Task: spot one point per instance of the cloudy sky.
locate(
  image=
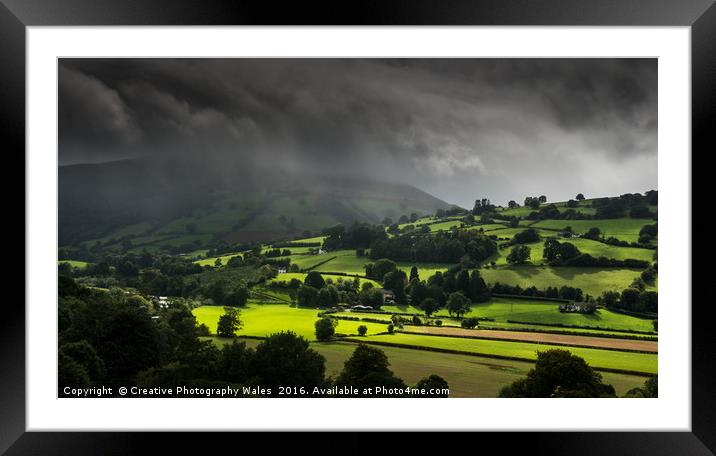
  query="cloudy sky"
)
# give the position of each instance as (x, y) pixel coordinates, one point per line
(460, 129)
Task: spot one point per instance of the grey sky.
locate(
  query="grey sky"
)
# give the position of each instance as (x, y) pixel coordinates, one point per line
(460, 129)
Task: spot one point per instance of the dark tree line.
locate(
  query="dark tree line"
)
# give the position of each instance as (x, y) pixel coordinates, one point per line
(111, 339)
(442, 247)
(356, 236)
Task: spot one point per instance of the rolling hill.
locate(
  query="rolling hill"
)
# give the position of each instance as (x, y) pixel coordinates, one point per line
(149, 202)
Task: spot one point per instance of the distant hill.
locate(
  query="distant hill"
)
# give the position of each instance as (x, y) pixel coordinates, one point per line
(150, 202)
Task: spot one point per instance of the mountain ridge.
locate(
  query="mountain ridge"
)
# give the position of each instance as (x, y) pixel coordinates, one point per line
(102, 201)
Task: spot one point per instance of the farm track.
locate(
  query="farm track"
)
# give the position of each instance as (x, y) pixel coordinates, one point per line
(641, 346)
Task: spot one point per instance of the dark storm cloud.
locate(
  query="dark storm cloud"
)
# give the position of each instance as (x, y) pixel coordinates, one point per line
(458, 128)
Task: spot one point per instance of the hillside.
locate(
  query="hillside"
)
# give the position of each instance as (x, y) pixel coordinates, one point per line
(148, 203)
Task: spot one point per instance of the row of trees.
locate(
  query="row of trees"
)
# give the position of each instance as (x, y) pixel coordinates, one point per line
(442, 247)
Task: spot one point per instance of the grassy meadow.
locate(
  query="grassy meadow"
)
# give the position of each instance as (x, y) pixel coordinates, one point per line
(592, 281)
(260, 320)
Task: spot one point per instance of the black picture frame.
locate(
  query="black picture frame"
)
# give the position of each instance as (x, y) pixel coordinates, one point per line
(699, 15)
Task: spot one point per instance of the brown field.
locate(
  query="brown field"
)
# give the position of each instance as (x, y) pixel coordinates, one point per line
(544, 338)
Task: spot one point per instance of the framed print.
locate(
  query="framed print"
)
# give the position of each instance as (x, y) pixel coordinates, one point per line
(435, 218)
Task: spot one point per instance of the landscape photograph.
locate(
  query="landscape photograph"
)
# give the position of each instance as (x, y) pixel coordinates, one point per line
(357, 227)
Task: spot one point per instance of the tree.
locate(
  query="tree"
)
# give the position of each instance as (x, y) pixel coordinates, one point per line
(139, 301)
(228, 323)
(314, 279)
(519, 254)
(593, 233)
(129, 344)
(414, 274)
(368, 368)
(85, 355)
(542, 199)
(629, 298)
(527, 236)
(71, 373)
(470, 323)
(433, 386)
(579, 197)
(307, 296)
(382, 267)
(395, 281)
(650, 389)
(235, 362)
(325, 328)
(327, 296)
(238, 296)
(285, 359)
(371, 297)
(429, 306)
(512, 204)
(362, 330)
(458, 304)
(559, 373)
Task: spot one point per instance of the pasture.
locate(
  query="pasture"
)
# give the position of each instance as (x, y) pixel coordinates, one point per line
(260, 320)
(75, 263)
(347, 261)
(591, 280)
(540, 313)
(606, 359)
(625, 229)
(594, 248)
(287, 277)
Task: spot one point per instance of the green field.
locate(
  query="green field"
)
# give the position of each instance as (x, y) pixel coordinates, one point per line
(608, 359)
(444, 226)
(625, 229)
(593, 248)
(540, 312)
(75, 263)
(583, 207)
(592, 281)
(508, 233)
(347, 261)
(262, 320)
(287, 277)
(498, 324)
(211, 261)
(467, 375)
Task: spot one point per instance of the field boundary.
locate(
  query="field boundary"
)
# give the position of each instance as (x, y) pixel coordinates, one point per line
(597, 328)
(320, 263)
